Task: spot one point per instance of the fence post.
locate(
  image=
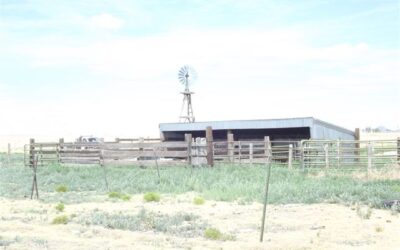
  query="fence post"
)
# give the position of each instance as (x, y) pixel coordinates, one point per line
(60, 149)
(31, 152)
(231, 147)
(267, 149)
(9, 154)
(251, 153)
(210, 149)
(326, 151)
(290, 156)
(303, 164)
(240, 152)
(338, 153)
(369, 151)
(357, 145)
(398, 150)
(188, 140)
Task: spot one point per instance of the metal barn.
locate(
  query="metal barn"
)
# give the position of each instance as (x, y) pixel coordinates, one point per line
(290, 129)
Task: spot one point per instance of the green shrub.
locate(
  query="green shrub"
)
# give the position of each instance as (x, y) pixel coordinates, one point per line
(198, 201)
(118, 195)
(151, 196)
(61, 188)
(126, 197)
(215, 234)
(63, 219)
(60, 207)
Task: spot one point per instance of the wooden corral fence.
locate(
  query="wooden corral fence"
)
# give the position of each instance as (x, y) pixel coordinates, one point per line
(205, 151)
(121, 152)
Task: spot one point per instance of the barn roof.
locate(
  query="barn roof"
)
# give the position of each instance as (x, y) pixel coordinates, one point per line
(313, 123)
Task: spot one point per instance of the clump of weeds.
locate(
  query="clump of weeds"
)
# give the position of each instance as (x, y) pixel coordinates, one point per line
(118, 195)
(151, 196)
(61, 188)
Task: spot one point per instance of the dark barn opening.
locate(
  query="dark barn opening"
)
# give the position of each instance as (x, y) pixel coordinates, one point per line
(275, 134)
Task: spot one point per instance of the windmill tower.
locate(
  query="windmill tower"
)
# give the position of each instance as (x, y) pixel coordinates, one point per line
(186, 76)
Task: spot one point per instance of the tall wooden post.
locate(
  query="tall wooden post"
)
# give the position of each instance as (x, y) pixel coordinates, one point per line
(210, 149)
(251, 153)
(231, 148)
(267, 149)
(370, 152)
(9, 154)
(60, 149)
(398, 150)
(290, 156)
(31, 152)
(357, 144)
(188, 140)
(326, 151)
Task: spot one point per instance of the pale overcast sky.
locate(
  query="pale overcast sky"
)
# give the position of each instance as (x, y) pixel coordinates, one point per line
(110, 67)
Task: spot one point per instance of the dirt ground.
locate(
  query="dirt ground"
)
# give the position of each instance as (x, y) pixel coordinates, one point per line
(26, 224)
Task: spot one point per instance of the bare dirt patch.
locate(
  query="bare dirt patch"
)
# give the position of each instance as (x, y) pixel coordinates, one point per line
(26, 224)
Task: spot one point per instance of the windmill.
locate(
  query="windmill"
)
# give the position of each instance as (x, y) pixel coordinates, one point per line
(186, 76)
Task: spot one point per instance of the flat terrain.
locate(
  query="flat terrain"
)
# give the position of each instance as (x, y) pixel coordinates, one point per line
(338, 209)
(28, 224)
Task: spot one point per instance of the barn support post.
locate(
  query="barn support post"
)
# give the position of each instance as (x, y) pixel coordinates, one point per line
(231, 148)
(188, 140)
(31, 152)
(210, 148)
(290, 156)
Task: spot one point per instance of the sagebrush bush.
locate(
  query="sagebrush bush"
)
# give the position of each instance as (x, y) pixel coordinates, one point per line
(61, 188)
(215, 234)
(198, 201)
(60, 207)
(63, 219)
(151, 196)
(118, 195)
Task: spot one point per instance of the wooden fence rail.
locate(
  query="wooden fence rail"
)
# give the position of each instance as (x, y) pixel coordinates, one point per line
(196, 151)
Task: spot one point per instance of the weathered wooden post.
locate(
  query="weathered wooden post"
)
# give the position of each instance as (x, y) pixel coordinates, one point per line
(369, 152)
(302, 155)
(338, 153)
(210, 148)
(240, 152)
(290, 156)
(251, 153)
(326, 152)
(60, 149)
(231, 147)
(398, 150)
(267, 149)
(357, 144)
(188, 140)
(31, 152)
(8, 154)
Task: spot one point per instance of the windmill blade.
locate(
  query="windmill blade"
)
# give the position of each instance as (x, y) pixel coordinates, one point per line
(186, 74)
